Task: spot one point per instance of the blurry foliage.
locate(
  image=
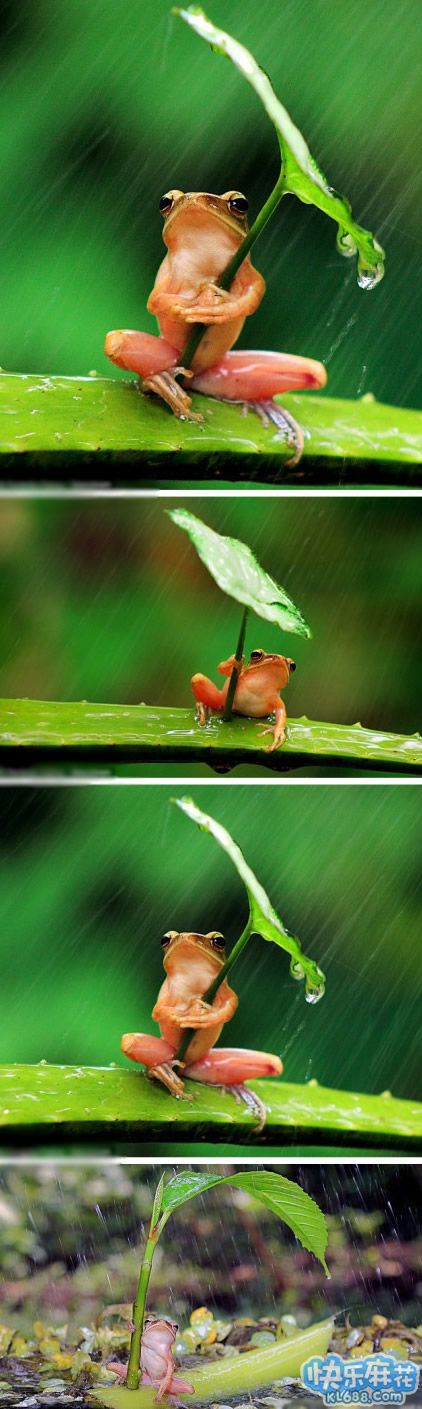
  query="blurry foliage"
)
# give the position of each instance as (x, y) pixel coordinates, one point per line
(104, 107)
(108, 602)
(225, 1251)
(90, 878)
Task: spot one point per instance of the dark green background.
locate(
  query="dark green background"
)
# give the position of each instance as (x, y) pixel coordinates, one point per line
(92, 877)
(104, 106)
(108, 601)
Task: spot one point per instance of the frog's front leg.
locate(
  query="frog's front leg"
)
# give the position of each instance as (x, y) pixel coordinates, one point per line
(278, 729)
(158, 1056)
(230, 1067)
(157, 363)
(256, 377)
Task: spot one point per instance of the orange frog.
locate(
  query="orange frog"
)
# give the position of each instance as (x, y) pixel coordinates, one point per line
(192, 962)
(202, 232)
(256, 694)
(157, 1364)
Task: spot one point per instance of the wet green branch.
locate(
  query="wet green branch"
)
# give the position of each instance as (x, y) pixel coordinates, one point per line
(104, 430)
(49, 1105)
(42, 731)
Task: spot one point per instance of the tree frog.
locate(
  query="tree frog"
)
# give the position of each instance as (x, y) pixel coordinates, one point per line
(157, 1364)
(202, 232)
(191, 962)
(256, 694)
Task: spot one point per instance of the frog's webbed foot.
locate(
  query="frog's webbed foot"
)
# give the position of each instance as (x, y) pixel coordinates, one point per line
(278, 729)
(202, 713)
(164, 384)
(244, 1097)
(277, 740)
(165, 1072)
(270, 413)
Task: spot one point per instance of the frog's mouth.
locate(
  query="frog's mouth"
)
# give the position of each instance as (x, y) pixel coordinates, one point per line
(207, 206)
(192, 942)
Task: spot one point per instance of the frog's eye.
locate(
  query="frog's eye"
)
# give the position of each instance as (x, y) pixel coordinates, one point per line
(217, 939)
(166, 940)
(257, 655)
(166, 203)
(238, 204)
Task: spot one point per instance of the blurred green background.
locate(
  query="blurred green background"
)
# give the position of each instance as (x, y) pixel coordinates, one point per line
(108, 601)
(91, 878)
(104, 106)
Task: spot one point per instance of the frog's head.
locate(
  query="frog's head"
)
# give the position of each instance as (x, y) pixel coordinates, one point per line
(187, 211)
(158, 1331)
(278, 668)
(185, 948)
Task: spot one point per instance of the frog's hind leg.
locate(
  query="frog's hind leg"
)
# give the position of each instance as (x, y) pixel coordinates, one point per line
(208, 697)
(230, 1067)
(157, 1056)
(156, 362)
(255, 378)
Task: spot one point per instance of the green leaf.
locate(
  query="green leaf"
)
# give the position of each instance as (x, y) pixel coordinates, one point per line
(263, 918)
(285, 1198)
(235, 569)
(301, 175)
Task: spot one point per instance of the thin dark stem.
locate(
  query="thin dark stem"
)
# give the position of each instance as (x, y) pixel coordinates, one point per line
(228, 707)
(228, 274)
(209, 996)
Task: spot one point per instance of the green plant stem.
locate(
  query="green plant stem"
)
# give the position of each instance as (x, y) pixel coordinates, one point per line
(139, 1308)
(209, 995)
(228, 707)
(228, 274)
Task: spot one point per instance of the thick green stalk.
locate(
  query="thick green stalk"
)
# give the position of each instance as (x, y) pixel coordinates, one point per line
(228, 274)
(138, 1313)
(228, 707)
(58, 732)
(209, 996)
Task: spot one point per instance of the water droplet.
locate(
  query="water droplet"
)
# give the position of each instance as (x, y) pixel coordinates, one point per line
(315, 990)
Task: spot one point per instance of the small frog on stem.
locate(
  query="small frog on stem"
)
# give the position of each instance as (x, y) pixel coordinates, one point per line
(192, 962)
(202, 232)
(256, 694)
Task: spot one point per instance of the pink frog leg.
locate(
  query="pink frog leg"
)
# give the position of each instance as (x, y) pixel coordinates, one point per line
(143, 353)
(158, 1056)
(180, 1386)
(150, 1051)
(157, 362)
(230, 1066)
(258, 376)
(118, 1367)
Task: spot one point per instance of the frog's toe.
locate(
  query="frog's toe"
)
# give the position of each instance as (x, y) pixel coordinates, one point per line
(164, 384)
(271, 413)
